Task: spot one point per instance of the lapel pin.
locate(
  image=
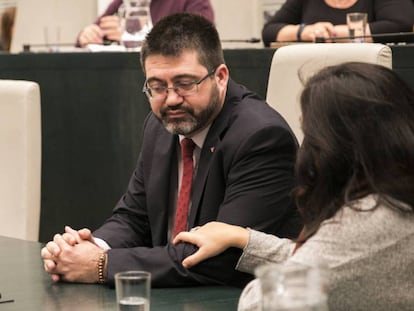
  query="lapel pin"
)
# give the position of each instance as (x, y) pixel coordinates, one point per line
(212, 149)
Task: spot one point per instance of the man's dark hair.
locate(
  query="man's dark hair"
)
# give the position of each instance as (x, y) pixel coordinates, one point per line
(184, 31)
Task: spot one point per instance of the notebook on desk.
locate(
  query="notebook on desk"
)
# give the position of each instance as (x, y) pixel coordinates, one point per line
(41, 23)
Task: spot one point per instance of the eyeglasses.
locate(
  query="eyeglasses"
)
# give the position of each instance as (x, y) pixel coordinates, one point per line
(182, 88)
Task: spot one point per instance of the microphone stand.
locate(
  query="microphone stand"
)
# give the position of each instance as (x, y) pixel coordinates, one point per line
(251, 40)
(50, 46)
(373, 36)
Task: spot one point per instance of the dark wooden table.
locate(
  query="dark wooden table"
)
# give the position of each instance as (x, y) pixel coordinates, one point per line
(22, 279)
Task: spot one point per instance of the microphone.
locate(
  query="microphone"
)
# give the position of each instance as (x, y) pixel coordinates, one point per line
(393, 35)
(51, 46)
(251, 40)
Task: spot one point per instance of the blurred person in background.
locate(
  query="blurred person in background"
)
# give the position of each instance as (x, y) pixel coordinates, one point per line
(299, 20)
(106, 27)
(7, 24)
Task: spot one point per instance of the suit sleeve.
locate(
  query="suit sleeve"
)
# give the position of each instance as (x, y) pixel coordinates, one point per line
(389, 17)
(289, 13)
(202, 7)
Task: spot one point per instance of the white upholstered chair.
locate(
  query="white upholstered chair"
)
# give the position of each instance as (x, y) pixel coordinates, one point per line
(20, 159)
(284, 86)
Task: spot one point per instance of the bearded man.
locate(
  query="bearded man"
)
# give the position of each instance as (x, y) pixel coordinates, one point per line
(235, 165)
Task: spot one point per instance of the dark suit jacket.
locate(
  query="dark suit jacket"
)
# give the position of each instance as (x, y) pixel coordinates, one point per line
(244, 177)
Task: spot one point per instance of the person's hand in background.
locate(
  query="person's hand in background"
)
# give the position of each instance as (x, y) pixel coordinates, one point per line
(91, 34)
(108, 28)
(111, 27)
(318, 30)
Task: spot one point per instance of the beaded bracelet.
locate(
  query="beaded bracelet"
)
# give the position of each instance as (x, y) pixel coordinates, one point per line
(101, 268)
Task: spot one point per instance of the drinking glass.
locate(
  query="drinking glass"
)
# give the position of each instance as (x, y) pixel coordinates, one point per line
(357, 23)
(136, 22)
(133, 290)
(52, 38)
(293, 287)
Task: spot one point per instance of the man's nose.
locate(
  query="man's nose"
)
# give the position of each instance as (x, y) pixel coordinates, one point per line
(173, 98)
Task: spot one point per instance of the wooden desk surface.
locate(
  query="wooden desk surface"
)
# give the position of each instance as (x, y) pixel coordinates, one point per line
(23, 279)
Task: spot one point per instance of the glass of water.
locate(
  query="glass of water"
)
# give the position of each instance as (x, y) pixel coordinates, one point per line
(133, 290)
(293, 287)
(136, 22)
(357, 24)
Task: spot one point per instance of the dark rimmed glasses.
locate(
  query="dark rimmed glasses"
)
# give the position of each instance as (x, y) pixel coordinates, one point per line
(159, 93)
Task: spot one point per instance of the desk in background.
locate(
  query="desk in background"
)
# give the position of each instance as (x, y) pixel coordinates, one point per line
(403, 62)
(23, 279)
(92, 116)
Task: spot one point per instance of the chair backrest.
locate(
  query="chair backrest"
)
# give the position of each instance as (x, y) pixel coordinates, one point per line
(20, 159)
(50, 22)
(284, 85)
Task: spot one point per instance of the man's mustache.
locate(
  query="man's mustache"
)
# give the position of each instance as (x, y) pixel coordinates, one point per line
(164, 111)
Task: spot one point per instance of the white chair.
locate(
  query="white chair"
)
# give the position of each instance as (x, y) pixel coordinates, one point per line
(20, 159)
(284, 86)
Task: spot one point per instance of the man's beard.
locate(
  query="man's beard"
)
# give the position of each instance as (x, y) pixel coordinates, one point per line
(191, 122)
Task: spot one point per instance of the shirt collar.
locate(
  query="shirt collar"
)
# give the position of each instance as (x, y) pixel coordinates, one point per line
(198, 138)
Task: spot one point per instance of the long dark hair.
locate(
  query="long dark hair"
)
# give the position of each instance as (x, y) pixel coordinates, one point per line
(358, 124)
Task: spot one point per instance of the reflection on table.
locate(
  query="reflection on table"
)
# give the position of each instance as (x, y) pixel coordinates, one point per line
(24, 280)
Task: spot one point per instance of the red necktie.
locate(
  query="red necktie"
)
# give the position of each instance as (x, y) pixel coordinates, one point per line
(181, 213)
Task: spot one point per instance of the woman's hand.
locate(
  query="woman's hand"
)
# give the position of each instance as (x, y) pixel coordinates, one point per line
(323, 30)
(91, 34)
(111, 27)
(212, 239)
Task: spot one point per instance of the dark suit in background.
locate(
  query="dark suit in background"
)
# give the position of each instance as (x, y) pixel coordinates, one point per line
(244, 177)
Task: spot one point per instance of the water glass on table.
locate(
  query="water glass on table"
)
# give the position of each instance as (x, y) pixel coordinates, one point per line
(133, 290)
(357, 24)
(293, 287)
(136, 23)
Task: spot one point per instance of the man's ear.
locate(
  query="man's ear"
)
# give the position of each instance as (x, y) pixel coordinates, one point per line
(222, 76)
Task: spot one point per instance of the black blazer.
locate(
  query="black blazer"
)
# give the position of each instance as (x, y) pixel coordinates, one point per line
(244, 177)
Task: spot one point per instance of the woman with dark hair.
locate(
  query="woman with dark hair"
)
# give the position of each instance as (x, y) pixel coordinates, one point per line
(355, 192)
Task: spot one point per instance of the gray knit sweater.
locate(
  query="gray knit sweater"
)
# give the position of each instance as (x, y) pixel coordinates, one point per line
(370, 252)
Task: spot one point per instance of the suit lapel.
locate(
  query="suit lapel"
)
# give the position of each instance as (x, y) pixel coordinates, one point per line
(163, 165)
(202, 173)
(213, 139)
